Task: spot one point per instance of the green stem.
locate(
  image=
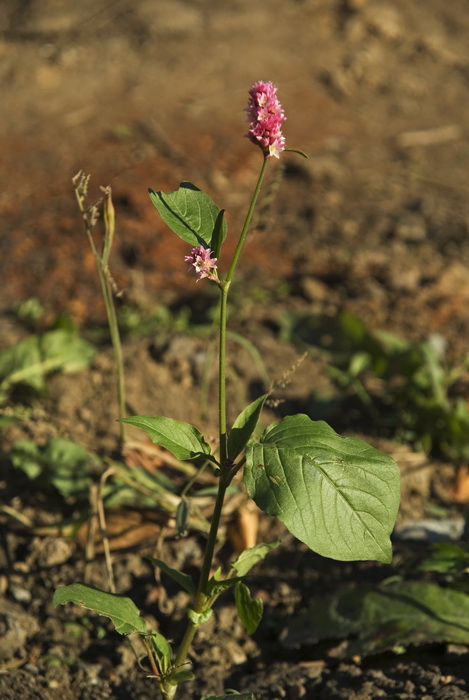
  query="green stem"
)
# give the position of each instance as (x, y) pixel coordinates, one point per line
(200, 598)
(224, 288)
(106, 290)
(245, 229)
(202, 603)
(117, 350)
(194, 478)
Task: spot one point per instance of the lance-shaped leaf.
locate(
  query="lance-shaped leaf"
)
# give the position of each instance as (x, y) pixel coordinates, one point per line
(191, 214)
(216, 585)
(122, 611)
(182, 439)
(176, 677)
(250, 557)
(163, 652)
(182, 516)
(218, 234)
(249, 609)
(180, 577)
(231, 696)
(244, 426)
(338, 495)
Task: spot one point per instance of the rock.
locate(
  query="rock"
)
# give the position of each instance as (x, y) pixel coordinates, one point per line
(314, 290)
(16, 627)
(453, 281)
(411, 227)
(384, 20)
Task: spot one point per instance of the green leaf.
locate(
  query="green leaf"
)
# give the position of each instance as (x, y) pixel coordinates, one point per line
(244, 426)
(29, 361)
(296, 150)
(230, 696)
(249, 610)
(26, 455)
(182, 514)
(60, 463)
(69, 466)
(446, 558)
(163, 651)
(182, 439)
(191, 214)
(384, 617)
(215, 587)
(67, 349)
(16, 358)
(122, 611)
(219, 234)
(177, 677)
(199, 618)
(340, 496)
(250, 557)
(183, 579)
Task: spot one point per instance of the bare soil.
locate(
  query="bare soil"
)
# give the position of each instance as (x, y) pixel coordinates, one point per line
(147, 93)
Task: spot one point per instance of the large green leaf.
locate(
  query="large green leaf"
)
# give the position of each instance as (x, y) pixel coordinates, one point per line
(338, 495)
(192, 215)
(384, 617)
(182, 439)
(122, 611)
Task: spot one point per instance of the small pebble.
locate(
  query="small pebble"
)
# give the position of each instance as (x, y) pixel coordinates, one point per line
(21, 595)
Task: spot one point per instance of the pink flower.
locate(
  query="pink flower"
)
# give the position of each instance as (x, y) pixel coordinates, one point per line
(204, 265)
(265, 117)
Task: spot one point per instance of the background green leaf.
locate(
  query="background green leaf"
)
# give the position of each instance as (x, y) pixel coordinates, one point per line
(191, 214)
(182, 439)
(338, 495)
(67, 349)
(122, 611)
(401, 613)
(60, 463)
(26, 353)
(29, 361)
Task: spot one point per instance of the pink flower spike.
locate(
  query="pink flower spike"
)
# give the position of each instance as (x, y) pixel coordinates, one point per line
(204, 265)
(265, 117)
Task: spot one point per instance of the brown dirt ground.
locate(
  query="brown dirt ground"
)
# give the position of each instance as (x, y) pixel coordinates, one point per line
(147, 93)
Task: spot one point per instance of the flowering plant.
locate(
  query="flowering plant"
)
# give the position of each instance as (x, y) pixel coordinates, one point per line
(338, 495)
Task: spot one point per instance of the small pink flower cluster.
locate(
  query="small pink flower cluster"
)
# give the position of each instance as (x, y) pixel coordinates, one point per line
(265, 117)
(204, 265)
